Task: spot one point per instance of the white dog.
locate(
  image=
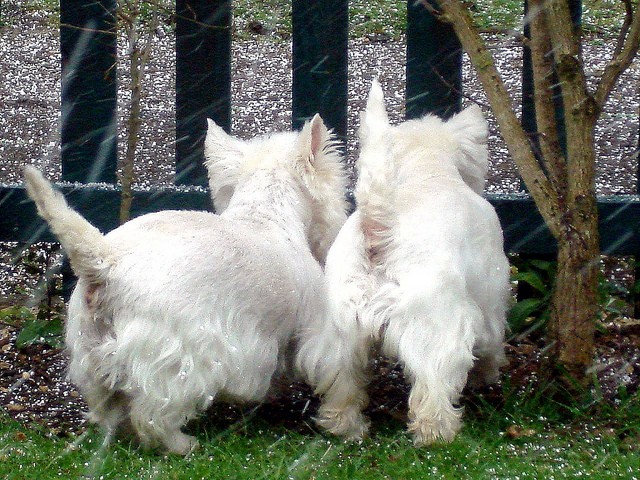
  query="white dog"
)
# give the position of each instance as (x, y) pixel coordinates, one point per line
(418, 269)
(176, 309)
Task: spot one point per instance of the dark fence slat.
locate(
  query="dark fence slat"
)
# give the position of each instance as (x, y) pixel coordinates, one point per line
(88, 122)
(434, 65)
(320, 41)
(203, 81)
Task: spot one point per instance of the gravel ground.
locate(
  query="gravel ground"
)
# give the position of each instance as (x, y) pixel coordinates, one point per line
(261, 101)
(32, 386)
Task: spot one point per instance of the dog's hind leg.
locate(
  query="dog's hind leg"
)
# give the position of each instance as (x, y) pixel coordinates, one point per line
(436, 352)
(344, 392)
(335, 362)
(160, 424)
(486, 368)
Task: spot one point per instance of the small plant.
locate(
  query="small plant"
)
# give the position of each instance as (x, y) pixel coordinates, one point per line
(35, 328)
(535, 279)
(42, 322)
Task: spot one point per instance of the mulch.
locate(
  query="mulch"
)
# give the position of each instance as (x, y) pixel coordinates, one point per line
(33, 388)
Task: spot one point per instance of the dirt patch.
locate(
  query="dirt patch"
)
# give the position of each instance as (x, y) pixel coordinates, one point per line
(33, 388)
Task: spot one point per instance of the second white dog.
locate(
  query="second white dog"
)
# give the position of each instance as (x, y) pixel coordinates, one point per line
(176, 309)
(418, 269)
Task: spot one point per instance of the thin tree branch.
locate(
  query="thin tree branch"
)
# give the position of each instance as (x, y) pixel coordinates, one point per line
(542, 66)
(628, 18)
(627, 49)
(539, 186)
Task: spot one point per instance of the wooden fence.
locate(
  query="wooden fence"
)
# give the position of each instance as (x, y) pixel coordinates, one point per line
(203, 46)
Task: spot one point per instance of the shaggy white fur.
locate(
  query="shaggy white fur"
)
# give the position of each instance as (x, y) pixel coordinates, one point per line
(176, 309)
(418, 269)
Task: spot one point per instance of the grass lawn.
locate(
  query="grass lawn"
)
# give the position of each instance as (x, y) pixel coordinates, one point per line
(516, 442)
(366, 17)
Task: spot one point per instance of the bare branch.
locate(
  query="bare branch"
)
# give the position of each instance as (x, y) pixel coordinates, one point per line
(433, 10)
(542, 63)
(627, 49)
(628, 18)
(541, 189)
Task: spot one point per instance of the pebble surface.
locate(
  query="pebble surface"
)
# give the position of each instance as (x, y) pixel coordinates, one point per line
(261, 100)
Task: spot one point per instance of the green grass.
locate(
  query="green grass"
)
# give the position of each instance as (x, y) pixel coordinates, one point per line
(553, 445)
(388, 17)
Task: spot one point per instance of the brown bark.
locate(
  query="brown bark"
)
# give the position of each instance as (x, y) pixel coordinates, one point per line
(139, 52)
(626, 49)
(542, 63)
(133, 127)
(573, 309)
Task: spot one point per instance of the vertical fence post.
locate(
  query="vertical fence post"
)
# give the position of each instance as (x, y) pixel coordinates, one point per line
(88, 123)
(88, 101)
(434, 64)
(320, 42)
(203, 81)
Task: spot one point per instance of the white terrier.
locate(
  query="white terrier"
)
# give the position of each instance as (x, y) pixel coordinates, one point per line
(418, 269)
(176, 309)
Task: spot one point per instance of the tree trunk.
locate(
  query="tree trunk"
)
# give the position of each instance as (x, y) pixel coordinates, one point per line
(573, 309)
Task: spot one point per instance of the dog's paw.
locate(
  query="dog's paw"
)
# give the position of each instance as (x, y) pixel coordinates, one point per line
(181, 444)
(349, 423)
(426, 431)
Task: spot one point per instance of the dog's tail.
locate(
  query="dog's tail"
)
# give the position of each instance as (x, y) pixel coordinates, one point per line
(88, 251)
(374, 191)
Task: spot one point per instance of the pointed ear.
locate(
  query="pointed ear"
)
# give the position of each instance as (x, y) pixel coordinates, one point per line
(223, 159)
(312, 140)
(471, 124)
(374, 120)
(219, 143)
(471, 130)
(319, 163)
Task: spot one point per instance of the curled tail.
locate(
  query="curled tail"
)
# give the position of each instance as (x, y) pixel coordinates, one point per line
(375, 188)
(88, 251)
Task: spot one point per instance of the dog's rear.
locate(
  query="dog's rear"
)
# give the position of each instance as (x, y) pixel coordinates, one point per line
(176, 309)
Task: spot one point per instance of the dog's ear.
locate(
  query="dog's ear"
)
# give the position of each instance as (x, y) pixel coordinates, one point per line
(319, 163)
(374, 120)
(311, 143)
(470, 124)
(471, 130)
(223, 159)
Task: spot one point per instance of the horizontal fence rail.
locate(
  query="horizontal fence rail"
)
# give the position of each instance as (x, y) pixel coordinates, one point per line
(524, 230)
(203, 89)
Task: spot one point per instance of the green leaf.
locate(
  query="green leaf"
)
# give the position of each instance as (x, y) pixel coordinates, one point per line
(521, 311)
(41, 331)
(533, 279)
(544, 265)
(16, 315)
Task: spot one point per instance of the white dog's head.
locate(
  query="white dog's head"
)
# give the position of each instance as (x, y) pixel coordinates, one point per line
(311, 155)
(462, 140)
